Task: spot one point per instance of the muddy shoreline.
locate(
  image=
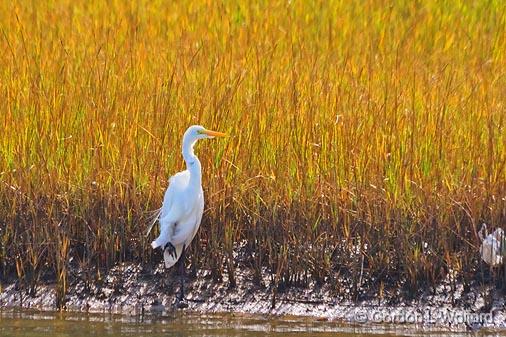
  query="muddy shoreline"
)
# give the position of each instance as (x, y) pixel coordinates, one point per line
(127, 289)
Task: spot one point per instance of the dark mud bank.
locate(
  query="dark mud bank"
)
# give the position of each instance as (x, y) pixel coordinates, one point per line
(128, 289)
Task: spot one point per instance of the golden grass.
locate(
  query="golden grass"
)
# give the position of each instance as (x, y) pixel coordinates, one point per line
(372, 123)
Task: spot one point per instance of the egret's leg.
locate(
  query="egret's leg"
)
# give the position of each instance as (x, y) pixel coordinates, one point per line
(182, 273)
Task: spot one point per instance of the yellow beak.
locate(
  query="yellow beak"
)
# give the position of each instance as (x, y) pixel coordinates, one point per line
(213, 133)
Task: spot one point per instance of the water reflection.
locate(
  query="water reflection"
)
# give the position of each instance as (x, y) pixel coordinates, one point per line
(26, 323)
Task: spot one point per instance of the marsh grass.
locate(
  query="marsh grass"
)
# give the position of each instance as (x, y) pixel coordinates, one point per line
(367, 138)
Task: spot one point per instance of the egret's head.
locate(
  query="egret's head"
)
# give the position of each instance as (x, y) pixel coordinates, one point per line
(196, 132)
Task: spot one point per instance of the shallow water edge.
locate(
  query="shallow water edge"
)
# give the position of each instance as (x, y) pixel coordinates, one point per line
(33, 323)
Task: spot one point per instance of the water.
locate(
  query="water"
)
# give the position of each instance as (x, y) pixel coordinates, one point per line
(45, 324)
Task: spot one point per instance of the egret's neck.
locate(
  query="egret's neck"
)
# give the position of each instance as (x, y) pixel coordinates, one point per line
(192, 163)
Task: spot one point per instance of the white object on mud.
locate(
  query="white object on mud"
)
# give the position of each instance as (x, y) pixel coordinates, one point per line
(492, 248)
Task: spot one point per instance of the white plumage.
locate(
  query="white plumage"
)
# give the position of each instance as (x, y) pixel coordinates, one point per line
(492, 248)
(180, 217)
(183, 203)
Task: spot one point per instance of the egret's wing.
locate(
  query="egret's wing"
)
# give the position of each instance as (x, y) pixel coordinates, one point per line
(186, 230)
(177, 183)
(183, 236)
(183, 232)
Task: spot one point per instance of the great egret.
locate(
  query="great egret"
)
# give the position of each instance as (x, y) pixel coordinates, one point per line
(183, 204)
(493, 246)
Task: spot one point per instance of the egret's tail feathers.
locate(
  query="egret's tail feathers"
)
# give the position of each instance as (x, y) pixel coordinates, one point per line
(152, 219)
(169, 259)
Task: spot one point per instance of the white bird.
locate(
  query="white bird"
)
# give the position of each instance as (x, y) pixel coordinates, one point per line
(492, 248)
(183, 203)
